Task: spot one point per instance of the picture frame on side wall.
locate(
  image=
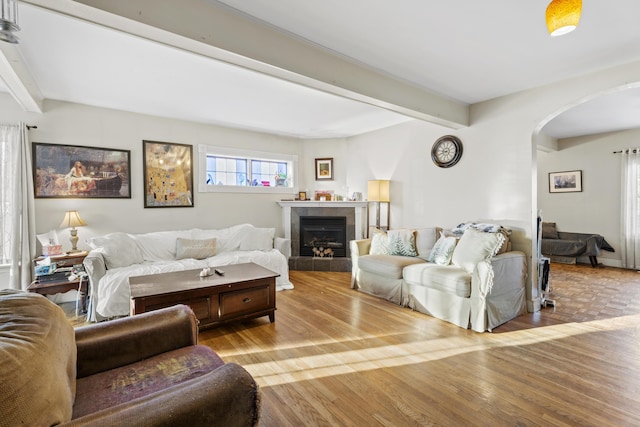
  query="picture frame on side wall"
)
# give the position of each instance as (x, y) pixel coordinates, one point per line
(80, 172)
(565, 182)
(168, 174)
(324, 169)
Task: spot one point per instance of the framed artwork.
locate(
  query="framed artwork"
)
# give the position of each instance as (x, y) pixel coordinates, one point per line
(168, 174)
(565, 182)
(324, 169)
(302, 195)
(70, 171)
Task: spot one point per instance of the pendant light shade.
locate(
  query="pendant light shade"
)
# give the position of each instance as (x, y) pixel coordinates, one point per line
(9, 21)
(563, 16)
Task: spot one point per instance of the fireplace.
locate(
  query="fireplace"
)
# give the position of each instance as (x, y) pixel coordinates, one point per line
(323, 236)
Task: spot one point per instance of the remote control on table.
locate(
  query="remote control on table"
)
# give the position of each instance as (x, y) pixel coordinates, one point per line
(219, 272)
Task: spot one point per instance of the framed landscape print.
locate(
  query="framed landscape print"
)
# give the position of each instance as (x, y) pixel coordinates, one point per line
(565, 182)
(168, 174)
(70, 171)
(324, 169)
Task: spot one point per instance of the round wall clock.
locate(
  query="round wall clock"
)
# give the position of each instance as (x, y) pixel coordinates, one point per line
(446, 151)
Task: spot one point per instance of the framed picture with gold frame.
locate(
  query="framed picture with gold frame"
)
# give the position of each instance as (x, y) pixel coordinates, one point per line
(324, 169)
(168, 174)
(302, 195)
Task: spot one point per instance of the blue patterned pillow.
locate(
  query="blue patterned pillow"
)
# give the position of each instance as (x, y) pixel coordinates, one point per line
(402, 242)
(443, 250)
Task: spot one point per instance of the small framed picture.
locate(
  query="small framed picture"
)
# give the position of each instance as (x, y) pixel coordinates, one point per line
(302, 195)
(324, 169)
(565, 182)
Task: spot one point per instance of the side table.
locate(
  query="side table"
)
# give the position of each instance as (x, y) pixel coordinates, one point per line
(62, 285)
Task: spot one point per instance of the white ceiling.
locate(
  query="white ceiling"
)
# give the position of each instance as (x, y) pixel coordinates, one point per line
(465, 50)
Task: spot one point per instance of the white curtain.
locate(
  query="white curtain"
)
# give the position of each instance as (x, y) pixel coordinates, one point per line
(17, 225)
(630, 209)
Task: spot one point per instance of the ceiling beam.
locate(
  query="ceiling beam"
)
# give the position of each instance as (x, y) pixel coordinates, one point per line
(211, 29)
(18, 79)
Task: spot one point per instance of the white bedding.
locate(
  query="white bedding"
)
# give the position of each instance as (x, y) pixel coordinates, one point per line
(113, 289)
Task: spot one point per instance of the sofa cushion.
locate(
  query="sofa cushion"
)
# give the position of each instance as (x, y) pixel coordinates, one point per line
(426, 239)
(196, 249)
(118, 249)
(446, 278)
(443, 250)
(402, 242)
(387, 265)
(159, 245)
(258, 239)
(38, 354)
(109, 388)
(379, 243)
(549, 231)
(474, 246)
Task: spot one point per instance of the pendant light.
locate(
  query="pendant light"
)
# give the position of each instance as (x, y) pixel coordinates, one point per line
(9, 21)
(563, 16)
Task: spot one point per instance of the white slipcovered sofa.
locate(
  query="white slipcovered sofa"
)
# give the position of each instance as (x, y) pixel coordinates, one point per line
(468, 276)
(117, 256)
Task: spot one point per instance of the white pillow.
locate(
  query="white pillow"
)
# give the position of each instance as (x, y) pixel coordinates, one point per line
(443, 250)
(402, 242)
(258, 239)
(159, 245)
(196, 249)
(379, 243)
(474, 246)
(118, 249)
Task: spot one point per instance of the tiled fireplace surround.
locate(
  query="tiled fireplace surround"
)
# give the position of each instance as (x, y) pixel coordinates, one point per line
(355, 213)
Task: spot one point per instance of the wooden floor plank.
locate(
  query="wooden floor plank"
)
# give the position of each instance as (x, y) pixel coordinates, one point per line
(336, 356)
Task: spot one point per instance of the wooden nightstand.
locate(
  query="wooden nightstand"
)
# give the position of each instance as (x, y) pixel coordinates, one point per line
(62, 285)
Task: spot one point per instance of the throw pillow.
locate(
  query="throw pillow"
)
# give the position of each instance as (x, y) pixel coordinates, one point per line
(196, 249)
(258, 239)
(379, 243)
(402, 242)
(474, 246)
(118, 249)
(549, 230)
(442, 250)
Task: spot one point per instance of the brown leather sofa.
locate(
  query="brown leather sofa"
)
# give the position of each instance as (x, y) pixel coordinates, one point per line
(145, 370)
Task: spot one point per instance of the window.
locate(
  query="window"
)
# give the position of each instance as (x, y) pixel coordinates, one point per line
(225, 169)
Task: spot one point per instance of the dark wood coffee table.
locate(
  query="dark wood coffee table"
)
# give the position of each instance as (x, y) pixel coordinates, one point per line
(245, 291)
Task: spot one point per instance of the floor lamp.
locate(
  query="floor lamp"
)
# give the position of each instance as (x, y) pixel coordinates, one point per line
(378, 192)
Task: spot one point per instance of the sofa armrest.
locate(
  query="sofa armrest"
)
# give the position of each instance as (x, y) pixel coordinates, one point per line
(119, 342)
(509, 272)
(283, 245)
(227, 396)
(357, 248)
(96, 268)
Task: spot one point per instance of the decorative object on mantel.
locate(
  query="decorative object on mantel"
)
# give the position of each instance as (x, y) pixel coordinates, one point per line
(565, 182)
(562, 16)
(302, 195)
(323, 195)
(379, 192)
(324, 169)
(72, 219)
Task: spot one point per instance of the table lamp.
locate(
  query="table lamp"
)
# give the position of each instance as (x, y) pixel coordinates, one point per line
(378, 192)
(72, 219)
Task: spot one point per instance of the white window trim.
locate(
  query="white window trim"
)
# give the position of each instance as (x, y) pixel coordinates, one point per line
(203, 187)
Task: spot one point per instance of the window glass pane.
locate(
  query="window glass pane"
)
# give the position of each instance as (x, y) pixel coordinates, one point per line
(226, 171)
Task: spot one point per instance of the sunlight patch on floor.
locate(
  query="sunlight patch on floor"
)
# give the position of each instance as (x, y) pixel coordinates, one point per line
(315, 366)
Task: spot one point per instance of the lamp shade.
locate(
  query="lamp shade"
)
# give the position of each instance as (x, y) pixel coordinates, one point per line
(563, 16)
(378, 191)
(72, 219)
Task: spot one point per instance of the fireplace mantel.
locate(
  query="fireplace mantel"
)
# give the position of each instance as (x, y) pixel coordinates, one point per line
(360, 210)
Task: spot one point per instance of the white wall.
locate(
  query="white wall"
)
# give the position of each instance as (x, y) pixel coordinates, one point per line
(74, 124)
(597, 208)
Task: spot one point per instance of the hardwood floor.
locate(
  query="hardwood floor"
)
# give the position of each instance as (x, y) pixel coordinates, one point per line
(338, 357)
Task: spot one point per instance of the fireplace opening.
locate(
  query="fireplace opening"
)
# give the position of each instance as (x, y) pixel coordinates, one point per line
(323, 236)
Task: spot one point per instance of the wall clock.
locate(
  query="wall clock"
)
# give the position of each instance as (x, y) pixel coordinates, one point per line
(446, 151)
